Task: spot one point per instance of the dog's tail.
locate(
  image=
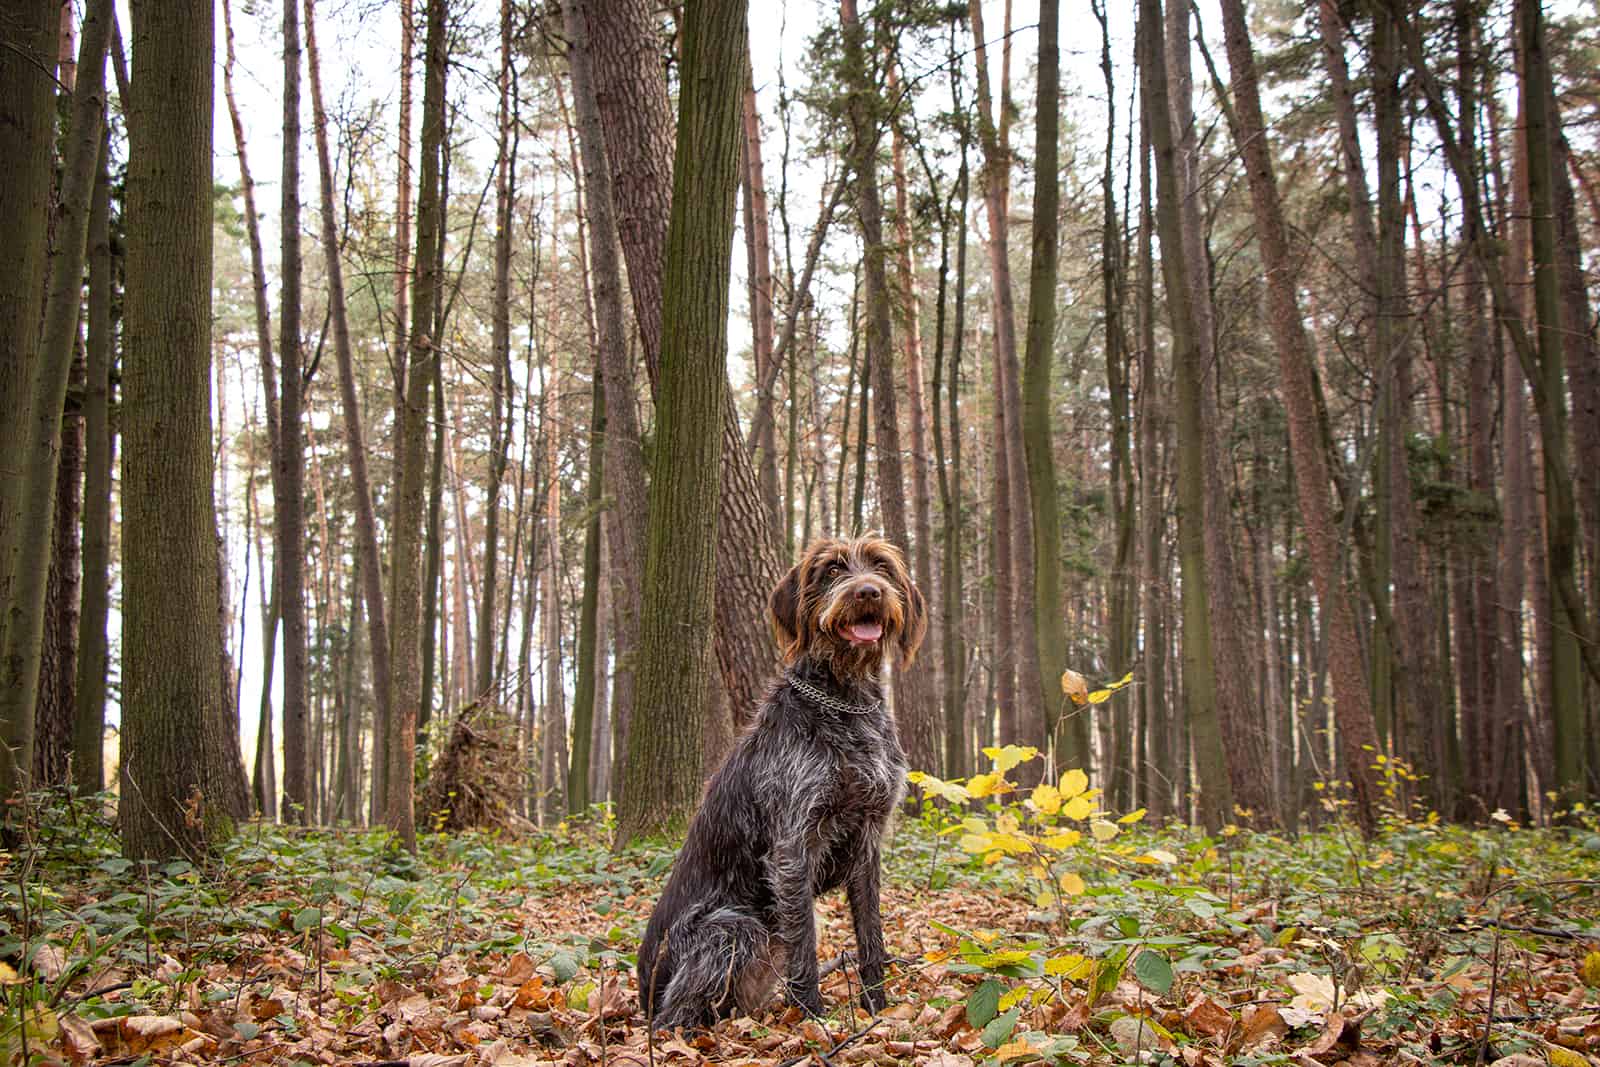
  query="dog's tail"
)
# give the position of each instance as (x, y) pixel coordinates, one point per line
(712, 962)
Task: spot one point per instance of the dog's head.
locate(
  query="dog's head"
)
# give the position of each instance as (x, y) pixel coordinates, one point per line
(845, 602)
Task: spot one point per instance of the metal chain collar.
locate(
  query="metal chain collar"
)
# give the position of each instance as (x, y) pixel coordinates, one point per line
(831, 703)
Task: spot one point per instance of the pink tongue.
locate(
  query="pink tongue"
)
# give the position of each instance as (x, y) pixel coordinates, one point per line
(865, 632)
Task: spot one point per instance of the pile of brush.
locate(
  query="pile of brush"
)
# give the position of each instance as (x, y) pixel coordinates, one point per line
(475, 782)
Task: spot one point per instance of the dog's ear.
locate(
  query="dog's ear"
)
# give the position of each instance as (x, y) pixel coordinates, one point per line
(916, 627)
(784, 605)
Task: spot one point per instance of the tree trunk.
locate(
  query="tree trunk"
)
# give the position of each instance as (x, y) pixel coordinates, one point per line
(758, 258)
(623, 459)
(553, 723)
(916, 706)
(951, 615)
(1238, 711)
(28, 489)
(631, 93)
(1199, 676)
(289, 486)
(579, 786)
(500, 345)
(174, 763)
(662, 778)
(405, 538)
(1159, 768)
(89, 723)
(1310, 463)
(1123, 606)
(369, 568)
(1564, 608)
(910, 306)
(1069, 740)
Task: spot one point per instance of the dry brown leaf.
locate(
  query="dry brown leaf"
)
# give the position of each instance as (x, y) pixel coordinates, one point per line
(1263, 1024)
(1206, 1017)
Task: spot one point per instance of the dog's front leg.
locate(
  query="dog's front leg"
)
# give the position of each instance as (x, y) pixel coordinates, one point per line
(797, 925)
(862, 888)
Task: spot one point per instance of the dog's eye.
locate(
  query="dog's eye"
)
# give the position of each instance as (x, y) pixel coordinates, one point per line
(834, 567)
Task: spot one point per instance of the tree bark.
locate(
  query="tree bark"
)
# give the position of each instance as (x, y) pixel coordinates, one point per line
(579, 787)
(89, 722)
(623, 459)
(631, 93)
(370, 568)
(664, 742)
(405, 538)
(500, 345)
(1565, 610)
(27, 136)
(1356, 734)
(1070, 739)
(289, 486)
(1199, 674)
(916, 706)
(758, 258)
(174, 761)
(28, 489)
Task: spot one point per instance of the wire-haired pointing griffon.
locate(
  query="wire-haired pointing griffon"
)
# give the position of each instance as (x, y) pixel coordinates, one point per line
(800, 805)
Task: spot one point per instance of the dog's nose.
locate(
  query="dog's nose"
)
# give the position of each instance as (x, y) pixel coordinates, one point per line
(869, 592)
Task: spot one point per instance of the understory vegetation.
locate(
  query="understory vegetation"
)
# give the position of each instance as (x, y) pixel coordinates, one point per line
(1027, 926)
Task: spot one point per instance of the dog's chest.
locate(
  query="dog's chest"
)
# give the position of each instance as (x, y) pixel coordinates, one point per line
(870, 776)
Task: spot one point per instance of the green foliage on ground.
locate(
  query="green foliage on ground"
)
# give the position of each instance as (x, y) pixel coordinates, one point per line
(1026, 928)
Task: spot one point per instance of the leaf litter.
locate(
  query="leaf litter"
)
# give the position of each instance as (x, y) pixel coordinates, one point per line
(1429, 944)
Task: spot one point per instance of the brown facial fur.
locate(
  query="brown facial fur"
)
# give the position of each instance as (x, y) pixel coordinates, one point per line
(832, 587)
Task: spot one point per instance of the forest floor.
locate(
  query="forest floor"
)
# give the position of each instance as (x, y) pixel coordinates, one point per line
(1173, 947)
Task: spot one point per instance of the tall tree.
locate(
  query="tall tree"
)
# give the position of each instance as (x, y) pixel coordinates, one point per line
(1070, 740)
(288, 505)
(916, 706)
(1010, 487)
(500, 353)
(663, 765)
(370, 570)
(1357, 737)
(1565, 608)
(88, 733)
(623, 452)
(1238, 717)
(412, 429)
(27, 132)
(1199, 673)
(631, 91)
(28, 489)
(174, 756)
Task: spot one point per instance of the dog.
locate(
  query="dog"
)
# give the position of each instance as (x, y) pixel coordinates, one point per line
(799, 806)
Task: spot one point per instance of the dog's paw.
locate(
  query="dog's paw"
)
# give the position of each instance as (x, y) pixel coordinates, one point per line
(873, 999)
(807, 998)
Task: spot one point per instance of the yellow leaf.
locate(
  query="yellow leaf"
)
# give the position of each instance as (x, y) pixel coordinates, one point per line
(974, 843)
(1007, 822)
(1131, 818)
(1158, 855)
(1071, 884)
(8, 974)
(1071, 967)
(938, 787)
(1016, 993)
(1073, 684)
(1590, 971)
(1102, 830)
(1047, 798)
(1062, 841)
(1078, 808)
(988, 785)
(1009, 756)
(1563, 1057)
(1073, 783)
(1044, 898)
